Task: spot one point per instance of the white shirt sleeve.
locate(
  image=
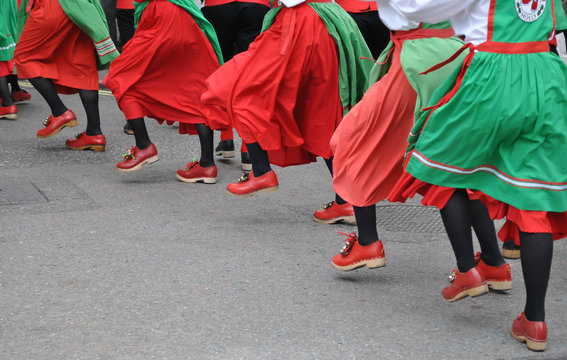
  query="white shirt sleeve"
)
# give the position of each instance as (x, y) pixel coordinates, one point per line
(430, 11)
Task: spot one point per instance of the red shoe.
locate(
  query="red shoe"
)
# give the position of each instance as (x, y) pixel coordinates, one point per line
(333, 212)
(195, 173)
(9, 112)
(83, 141)
(353, 255)
(249, 185)
(54, 124)
(472, 283)
(498, 278)
(533, 333)
(135, 158)
(20, 95)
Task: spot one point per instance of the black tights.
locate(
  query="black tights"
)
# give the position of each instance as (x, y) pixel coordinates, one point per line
(459, 215)
(339, 200)
(13, 80)
(536, 256)
(205, 137)
(5, 92)
(259, 159)
(89, 98)
(366, 223)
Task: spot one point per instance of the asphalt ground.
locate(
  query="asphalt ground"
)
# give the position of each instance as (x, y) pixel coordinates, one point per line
(95, 264)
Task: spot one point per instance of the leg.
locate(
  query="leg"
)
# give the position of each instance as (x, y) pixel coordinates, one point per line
(366, 223)
(456, 217)
(206, 139)
(13, 80)
(5, 92)
(250, 20)
(140, 133)
(329, 163)
(143, 153)
(46, 89)
(486, 233)
(537, 253)
(338, 210)
(259, 159)
(89, 98)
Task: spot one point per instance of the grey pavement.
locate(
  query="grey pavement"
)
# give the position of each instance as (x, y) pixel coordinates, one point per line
(95, 264)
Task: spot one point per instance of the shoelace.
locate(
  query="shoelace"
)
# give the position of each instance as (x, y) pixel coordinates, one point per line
(129, 155)
(79, 135)
(348, 243)
(325, 207)
(243, 178)
(191, 165)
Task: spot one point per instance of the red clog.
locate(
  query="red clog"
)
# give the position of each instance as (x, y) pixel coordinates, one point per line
(498, 278)
(333, 213)
(54, 124)
(533, 333)
(135, 158)
(83, 141)
(353, 255)
(248, 185)
(20, 95)
(9, 112)
(194, 172)
(472, 283)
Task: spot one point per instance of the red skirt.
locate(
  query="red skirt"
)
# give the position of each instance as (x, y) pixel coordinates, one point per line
(53, 47)
(6, 68)
(283, 92)
(516, 219)
(162, 70)
(370, 143)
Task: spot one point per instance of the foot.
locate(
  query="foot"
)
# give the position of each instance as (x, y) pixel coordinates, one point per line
(225, 148)
(533, 333)
(9, 112)
(333, 213)
(135, 158)
(83, 141)
(128, 128)
(472, 283)
(194, 172)
(248, 185)
(510, 250)
(245, 162)
(498, 278)
(353, 255)
(54, 124)
(20, 95)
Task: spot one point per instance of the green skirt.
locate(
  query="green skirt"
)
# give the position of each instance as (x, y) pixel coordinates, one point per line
(503, 131)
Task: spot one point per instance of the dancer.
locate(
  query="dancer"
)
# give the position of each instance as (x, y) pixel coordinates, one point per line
(496, 130)
(161, 74)
(56, 53)
(8, 11)
(286, 95)
(369, 144)
(237, 24)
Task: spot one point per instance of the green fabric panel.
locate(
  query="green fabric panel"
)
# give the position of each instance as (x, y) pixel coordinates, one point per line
(446, 24)
(195, 12)
(422, 54)
(8, 11)
(355, 59)
(382, 65)
(509, 27)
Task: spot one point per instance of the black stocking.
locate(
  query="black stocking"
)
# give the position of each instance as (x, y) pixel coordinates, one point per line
(5, 92)
(339, 200)
(46, 89)
(206, 140)
(536, 255)
(456, 217)
(486, 233)
(259, 159)
(140, 133)
(13, 80)
(366, 223)
(89, 98)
